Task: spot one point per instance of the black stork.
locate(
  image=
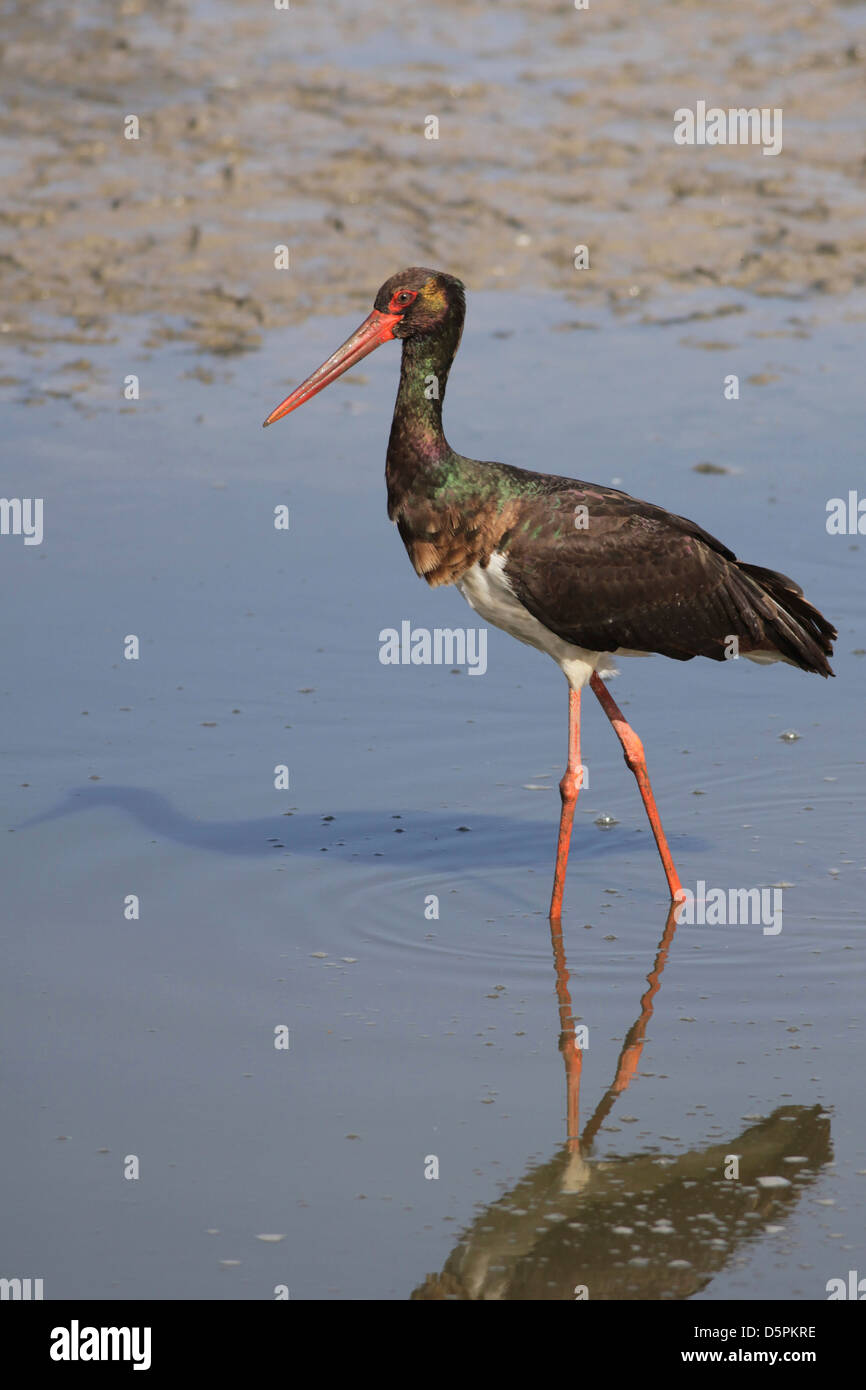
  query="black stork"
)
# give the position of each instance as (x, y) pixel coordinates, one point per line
(582, 572)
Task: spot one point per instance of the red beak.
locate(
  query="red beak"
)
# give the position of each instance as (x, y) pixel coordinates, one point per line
(378, 328)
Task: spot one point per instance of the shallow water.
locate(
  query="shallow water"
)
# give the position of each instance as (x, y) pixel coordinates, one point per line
(413, 1037)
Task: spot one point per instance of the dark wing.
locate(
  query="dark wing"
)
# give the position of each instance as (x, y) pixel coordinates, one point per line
(604, 571)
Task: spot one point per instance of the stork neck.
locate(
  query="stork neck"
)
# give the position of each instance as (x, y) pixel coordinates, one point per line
(416, 430)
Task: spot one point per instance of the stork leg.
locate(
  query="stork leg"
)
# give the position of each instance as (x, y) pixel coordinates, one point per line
(570, 785)
(634, 756)
(572, 1055)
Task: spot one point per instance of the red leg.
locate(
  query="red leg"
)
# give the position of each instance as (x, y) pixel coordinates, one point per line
(568, 789)
(572, 1055)
(634, 756)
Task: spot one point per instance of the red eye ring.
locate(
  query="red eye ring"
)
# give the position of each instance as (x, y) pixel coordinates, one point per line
(401, 299)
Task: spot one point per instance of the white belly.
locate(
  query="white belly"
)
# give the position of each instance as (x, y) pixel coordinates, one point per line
(490, 594)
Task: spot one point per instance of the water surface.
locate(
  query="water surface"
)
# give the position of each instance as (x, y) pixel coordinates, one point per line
(413, 1037)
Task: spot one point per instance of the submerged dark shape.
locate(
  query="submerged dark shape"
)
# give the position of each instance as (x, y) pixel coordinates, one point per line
(582, 572)
(431, 837)
(639, 1226)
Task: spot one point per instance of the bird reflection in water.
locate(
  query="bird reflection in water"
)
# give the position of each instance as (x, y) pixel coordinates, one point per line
(630, 1227)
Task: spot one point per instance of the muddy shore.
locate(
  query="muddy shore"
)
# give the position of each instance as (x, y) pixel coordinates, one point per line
(260, 128)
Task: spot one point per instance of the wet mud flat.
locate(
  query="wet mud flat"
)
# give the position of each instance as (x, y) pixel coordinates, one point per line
(260, 128)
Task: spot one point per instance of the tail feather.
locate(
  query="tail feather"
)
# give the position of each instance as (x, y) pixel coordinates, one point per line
(794, 626)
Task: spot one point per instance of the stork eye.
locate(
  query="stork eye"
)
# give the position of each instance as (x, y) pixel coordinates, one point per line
(404, 297)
